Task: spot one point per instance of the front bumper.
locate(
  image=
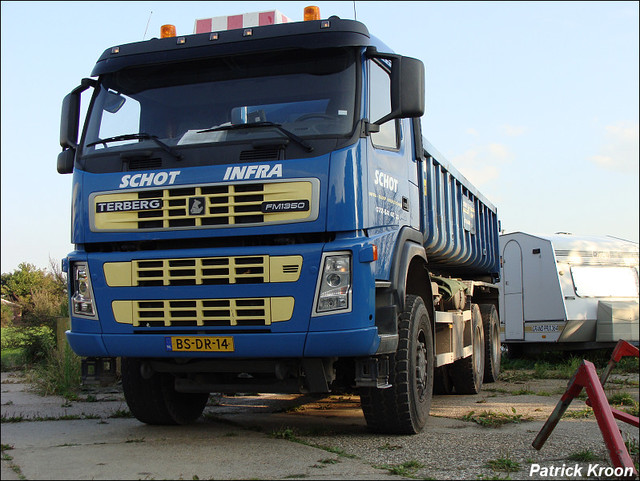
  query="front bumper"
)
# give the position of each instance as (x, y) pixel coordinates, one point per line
(343, 334)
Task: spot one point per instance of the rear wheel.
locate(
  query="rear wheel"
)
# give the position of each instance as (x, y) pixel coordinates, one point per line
(155, 400)
(492, 352)
(404, 407)
(467, 373)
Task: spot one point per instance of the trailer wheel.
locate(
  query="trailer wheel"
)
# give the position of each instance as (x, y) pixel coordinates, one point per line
(467, 373)
(404, 407)
(155, 400)
(492, 353)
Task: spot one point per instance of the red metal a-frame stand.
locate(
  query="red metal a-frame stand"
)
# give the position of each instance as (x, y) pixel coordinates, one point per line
(586, 377)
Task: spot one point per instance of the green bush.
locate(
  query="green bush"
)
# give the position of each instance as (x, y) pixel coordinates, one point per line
(11, 359)
(35, 342)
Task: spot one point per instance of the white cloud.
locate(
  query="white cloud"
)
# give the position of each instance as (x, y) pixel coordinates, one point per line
(512, 130)
(620, 151)
(473, 132)
(482, 164)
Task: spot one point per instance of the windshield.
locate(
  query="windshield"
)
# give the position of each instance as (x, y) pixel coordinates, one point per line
(306, 93)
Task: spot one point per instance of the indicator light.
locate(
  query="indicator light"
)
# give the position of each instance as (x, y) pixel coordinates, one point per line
(167, 31)
(311, 13)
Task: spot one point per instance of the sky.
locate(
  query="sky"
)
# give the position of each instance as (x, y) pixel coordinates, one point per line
(536, 103)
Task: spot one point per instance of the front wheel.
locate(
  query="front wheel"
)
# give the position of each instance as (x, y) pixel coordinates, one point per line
(154, 400)
(404, 407)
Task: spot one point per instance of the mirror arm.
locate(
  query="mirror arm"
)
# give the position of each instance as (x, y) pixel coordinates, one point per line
(85, 83)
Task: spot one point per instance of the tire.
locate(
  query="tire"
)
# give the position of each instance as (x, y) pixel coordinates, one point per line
(467, 373)
(492, 352)
(155, 400)
(404, 407)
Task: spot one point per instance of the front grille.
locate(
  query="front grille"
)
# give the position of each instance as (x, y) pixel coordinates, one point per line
(143, 164)
(203, 271)
(261, 155)
(204, 312)
(206, 206)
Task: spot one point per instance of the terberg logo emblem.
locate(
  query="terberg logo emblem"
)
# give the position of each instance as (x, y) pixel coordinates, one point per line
(196, 205)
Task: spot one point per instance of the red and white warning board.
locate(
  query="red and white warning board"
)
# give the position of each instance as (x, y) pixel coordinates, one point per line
(230, 22)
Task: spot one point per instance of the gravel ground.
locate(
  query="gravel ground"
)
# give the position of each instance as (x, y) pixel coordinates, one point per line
(449, 447)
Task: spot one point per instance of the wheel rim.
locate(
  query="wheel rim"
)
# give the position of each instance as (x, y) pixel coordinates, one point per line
(477, 347)
(495, 341)
(421, 365)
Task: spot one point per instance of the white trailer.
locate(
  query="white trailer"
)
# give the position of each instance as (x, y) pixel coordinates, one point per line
(568, 292)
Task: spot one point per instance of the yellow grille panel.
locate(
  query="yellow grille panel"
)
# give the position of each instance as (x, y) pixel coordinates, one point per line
(204, 312)
(203, 271)
(206, 206)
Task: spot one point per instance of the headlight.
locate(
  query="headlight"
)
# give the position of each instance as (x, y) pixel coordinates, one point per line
(334, 285)
(82, 301)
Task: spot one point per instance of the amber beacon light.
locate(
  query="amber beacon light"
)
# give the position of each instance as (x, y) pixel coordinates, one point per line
(167, 31)
(311, 13)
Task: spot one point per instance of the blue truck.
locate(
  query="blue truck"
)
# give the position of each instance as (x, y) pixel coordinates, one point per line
(255, 209)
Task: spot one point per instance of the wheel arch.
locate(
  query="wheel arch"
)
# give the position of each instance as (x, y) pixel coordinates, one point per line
(409, 272)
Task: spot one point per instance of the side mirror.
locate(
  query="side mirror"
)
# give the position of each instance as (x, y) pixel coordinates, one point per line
(69, 120)
(407, 86)
(65, 161)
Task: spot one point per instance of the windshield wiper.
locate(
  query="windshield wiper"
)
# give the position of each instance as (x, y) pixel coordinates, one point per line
(138, 136)
(308, 147)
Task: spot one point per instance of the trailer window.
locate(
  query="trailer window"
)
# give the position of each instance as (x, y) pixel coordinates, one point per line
(598, 281)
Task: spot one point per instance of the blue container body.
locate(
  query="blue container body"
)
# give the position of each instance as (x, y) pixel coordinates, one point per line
(460, 225)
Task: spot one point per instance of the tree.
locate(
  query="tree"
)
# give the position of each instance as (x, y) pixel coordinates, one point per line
(40, 293)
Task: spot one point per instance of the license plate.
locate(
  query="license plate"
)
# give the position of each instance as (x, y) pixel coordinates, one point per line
(199, 344)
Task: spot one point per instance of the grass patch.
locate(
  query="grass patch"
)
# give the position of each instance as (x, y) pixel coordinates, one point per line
(389, 447)
(522, 392)
(634, 451)
(58, 374)
(504, 464)
(563, 365)
(64, 417)
(584, 456)
(492, 419)
(408, 468)
(579, 414)
(289, 434)
(121, 414)
(285, 433)
(329, 461)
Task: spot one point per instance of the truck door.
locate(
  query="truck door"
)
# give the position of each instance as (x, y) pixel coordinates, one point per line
(393, 174)
(513, 292)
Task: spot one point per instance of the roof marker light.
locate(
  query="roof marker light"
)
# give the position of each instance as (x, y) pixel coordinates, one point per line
(311, 13)
(167, 31)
